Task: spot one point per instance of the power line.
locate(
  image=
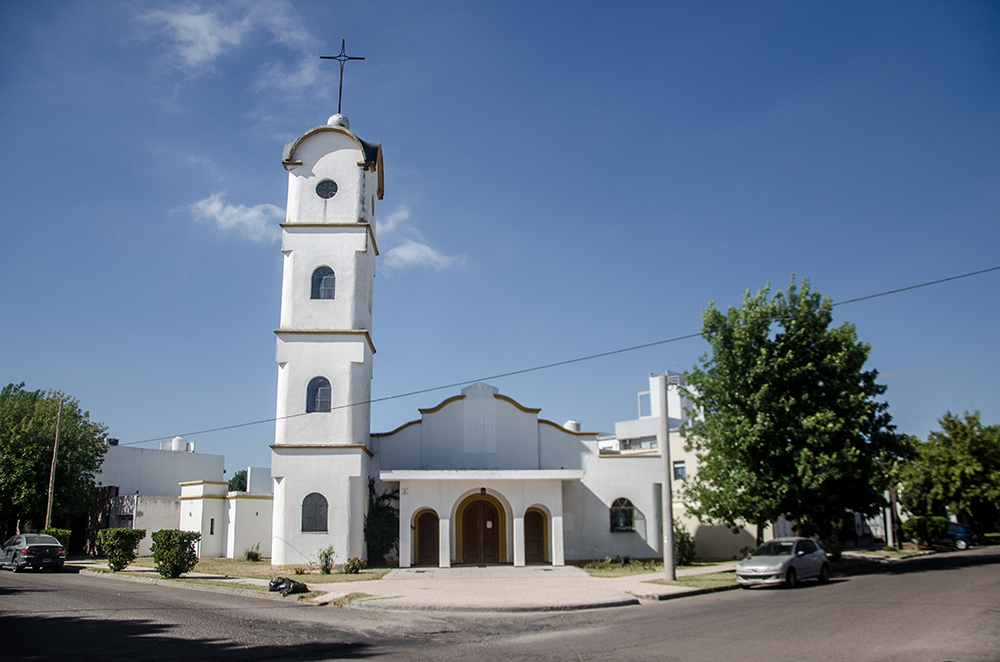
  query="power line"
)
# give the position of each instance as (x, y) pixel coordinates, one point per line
(547, 365)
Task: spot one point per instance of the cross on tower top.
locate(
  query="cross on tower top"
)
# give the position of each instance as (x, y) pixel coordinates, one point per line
(342, 58)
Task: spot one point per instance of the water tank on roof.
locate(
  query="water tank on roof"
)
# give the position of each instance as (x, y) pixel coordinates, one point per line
(178, 444)
(572, 425)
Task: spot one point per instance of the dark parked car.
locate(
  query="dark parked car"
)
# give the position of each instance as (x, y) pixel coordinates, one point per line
(32, 549)
(958, 536)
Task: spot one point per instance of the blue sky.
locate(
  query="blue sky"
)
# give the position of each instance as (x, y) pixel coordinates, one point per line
(562, 179)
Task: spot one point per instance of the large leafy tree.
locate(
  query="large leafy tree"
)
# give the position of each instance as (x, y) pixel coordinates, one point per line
(27, 433)
(957, 472)
(786, 417)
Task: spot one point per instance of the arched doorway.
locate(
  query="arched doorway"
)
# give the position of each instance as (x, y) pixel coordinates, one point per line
(534, 536)
(480, 533)
(427, 539)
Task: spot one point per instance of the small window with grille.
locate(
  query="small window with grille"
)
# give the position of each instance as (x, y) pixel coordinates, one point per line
(323, 283)
(318, 395)
(314, 512)
(622, 515)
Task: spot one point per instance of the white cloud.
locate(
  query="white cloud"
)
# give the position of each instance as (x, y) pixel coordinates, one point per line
(415, 254)
(394, 220)
(196, 38)
(199, 37)
(258, 223)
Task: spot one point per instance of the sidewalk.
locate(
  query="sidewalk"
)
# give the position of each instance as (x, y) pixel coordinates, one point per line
(510, 589)
(482, 588)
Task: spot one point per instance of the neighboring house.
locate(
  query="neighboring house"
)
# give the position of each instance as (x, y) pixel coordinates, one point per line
(175, 488)
(148, 484)
(230, 523)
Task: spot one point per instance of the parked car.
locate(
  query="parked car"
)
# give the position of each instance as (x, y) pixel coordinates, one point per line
(784, 561)
(32, 549)
(957, 535)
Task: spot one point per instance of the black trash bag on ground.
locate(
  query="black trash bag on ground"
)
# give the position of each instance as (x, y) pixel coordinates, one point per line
(286, 586)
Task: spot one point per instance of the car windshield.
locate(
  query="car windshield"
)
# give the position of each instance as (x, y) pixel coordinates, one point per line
(40, 540)
(775, 548)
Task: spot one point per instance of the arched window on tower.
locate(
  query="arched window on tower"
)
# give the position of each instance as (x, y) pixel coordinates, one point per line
(314, 511)
(318, 395)
(622, 515)
(323, 281)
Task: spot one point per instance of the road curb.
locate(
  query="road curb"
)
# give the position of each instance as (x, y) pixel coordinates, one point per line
(360, 605)
(661, 597)
(159, 581)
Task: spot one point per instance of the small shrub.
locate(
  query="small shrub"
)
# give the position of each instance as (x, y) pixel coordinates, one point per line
(173, 552)
(62, 535)
(120, 546)
(601, 565)
(299, 570)
(252, 554)
(684, 549)
(354, 565)
(326, 559)
(926, 530)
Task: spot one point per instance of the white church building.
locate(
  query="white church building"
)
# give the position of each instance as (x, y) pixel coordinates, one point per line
(481, 477)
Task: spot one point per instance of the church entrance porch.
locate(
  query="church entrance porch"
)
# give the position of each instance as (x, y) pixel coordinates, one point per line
(484, 517)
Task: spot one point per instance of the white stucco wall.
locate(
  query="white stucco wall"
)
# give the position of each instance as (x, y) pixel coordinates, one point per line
(341, 476)
(156, 472)
(248, 523)
(155, 513)
(330, 154)
(346, 361)
(204, 509)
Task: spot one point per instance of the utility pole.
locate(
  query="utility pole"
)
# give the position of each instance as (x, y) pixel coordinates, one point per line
(667, 492)
(52, 473)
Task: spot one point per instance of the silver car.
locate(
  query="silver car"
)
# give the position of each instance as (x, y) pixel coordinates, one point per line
(784, 561)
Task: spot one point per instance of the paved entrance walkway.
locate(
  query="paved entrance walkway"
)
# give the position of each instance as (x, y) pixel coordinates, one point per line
(486, 572)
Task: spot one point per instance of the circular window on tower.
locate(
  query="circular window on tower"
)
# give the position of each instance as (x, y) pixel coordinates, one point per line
(326, 189)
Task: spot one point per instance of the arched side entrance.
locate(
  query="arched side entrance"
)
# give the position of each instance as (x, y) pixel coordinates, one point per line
(426, 539)
(535, 536)
(481, 530)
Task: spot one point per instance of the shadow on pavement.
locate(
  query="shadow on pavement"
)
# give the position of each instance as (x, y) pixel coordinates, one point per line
(930, 563)
(64, 637)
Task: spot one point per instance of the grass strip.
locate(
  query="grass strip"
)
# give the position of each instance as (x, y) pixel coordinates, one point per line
(263, 570)
(712, 580)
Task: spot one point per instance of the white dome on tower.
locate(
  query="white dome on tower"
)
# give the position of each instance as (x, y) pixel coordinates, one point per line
(338, 120)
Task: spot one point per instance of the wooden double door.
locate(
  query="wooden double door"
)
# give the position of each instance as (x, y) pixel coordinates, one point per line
(480, 533)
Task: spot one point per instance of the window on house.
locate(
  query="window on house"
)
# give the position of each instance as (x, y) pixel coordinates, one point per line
(622, 515)
(314, 510)
(323, 282)
(680, 470)
(211, 527)
(318, 395)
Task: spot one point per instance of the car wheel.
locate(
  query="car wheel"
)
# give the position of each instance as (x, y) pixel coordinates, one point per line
(961, 543)
(791, 581)
(15, 566)
(824, 574)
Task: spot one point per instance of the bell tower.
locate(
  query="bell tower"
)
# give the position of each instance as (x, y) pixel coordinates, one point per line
(319, 460)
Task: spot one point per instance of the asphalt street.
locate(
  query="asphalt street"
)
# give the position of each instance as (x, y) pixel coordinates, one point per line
(944, 607)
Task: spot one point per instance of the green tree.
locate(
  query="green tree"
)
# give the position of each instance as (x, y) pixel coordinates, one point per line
(957, 472)
(27, 433)
(785, 417)
(238, 483)
(381, 523)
